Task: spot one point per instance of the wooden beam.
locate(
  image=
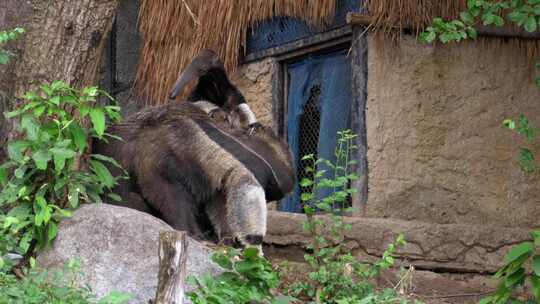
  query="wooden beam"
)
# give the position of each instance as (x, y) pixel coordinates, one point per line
(173, 248)
(313, 42)
(359, 77)
(488, 31)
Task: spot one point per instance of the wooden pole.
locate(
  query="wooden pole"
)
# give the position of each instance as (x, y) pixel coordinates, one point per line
(503, 32)
(173, 248)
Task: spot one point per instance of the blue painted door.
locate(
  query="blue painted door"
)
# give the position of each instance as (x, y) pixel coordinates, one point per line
(318, 106)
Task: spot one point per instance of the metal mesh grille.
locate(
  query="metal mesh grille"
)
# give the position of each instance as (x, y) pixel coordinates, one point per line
(308, 136)
(310, 123)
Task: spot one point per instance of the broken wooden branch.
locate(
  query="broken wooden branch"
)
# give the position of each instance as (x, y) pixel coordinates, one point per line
(173, 246)
(489, 31)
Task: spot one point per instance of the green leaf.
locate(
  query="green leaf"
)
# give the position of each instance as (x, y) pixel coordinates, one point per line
(4, 57)
(79, 136)
(38, 111)
(3, 176)
(59, 163)
(55, 100)
(245, 266)
(535, 282)
(430, 37)
(535, 234)
(63, 152)
(59, 85)
(222, 260)
(115, 197)
(97, 116)
(17, 148)
(536, 265)
(306, 196)
(84, 110)
(467, 17)
(518, 251)
(41, 158)
(73, 195)
(531, 25)
(283, 300)
(91, 91)
(38, 219)
(251, 252)
(527, 160)
(509, 123)
(305, 182)
(498, 20)
(12, 114)
(103, 173)
(107, 159)
(515, 278)
(46, 89)
(52, 231)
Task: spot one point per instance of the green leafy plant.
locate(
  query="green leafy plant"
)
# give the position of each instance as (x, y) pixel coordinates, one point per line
(248, 278)
(523, 13)
(45, 175)
(62, 286)
(6, 36)
(524, 128)
(336, 276)
(522, 263)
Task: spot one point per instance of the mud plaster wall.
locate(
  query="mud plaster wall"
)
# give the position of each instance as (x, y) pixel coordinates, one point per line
(255, 81)
(437, 151)
(436, 148)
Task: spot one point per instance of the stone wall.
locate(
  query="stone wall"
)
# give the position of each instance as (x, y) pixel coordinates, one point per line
(255, 81)
(445, 247)
(437, 151)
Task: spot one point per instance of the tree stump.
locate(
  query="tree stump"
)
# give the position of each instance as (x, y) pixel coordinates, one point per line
(173, 246)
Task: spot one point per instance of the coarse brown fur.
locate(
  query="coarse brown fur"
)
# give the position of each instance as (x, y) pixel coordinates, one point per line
(181, 175)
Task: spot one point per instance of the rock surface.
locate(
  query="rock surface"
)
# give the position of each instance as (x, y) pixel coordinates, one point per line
(118, 250)
(444, 247)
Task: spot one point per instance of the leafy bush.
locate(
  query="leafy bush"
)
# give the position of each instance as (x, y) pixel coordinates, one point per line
(515, 272)
(336, 276)
(44, 176)
(6, 36)
(248, 278)
(523, 13)
(41, 286)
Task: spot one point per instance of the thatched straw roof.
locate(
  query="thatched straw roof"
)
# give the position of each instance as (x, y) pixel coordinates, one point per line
(414, 13)
(173, 31)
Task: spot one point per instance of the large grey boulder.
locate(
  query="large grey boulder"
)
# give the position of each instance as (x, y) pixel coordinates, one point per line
(118, 250)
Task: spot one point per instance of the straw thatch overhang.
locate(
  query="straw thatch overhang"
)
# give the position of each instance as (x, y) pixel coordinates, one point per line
(173, 31)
